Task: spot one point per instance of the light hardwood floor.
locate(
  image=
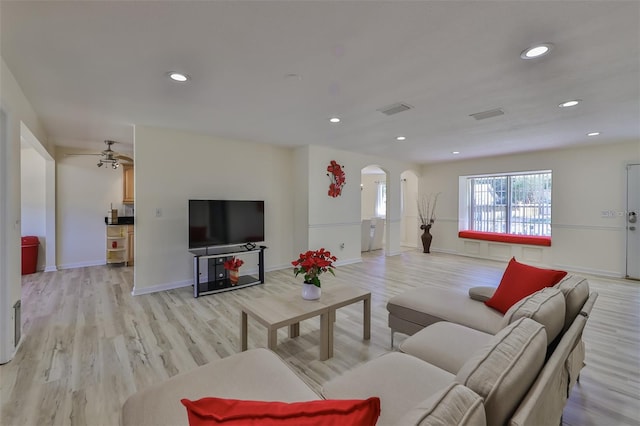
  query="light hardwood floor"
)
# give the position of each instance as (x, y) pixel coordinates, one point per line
(88, 344)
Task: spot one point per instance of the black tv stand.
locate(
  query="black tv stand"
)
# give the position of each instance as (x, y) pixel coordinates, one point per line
(218, 277)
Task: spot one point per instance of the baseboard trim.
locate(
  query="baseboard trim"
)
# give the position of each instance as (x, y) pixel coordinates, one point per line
(447, 251)
(598, 272)
(161, 287)
(51, 269)
(572, 268)
(348, 261)
(81, 264)
(278, 267)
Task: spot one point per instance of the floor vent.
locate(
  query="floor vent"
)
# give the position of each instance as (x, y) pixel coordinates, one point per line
(394, 109)
(487, 114)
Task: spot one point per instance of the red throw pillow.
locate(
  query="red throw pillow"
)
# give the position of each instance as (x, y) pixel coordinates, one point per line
(221, 411)
(520, 281)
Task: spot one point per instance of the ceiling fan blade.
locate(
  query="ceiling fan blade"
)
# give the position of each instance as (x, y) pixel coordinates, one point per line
(68, 154)
(124, 158)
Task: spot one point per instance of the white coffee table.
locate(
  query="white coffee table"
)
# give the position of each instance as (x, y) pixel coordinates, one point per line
(276, 311)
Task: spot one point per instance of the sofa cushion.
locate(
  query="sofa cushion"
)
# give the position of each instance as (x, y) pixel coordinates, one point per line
(257, 374)
(445, 344)
(546, 306)
(519, 281)
(401, 382)
(454, 405)
(504, 369)
(427, 305)
(214, 411)
(481, 293)
(576, 292)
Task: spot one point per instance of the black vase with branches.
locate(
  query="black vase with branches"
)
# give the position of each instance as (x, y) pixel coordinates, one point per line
(427, 215)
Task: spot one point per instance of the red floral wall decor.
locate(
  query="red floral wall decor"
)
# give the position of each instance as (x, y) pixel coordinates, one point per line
(337, 177)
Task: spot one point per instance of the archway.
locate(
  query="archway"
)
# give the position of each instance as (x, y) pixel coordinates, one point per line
(373, 207)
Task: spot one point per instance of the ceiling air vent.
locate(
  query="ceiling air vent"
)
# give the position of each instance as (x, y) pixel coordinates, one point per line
(487, 114)
(394, 109)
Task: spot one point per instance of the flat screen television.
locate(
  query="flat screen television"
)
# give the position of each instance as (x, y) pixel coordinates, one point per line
(225, 222)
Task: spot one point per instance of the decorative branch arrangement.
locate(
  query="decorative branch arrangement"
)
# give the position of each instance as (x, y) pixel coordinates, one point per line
(427, 209)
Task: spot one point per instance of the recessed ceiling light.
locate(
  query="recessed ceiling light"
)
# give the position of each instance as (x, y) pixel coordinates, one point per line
(536, 51)
(334, 120)
(176, 76)
(570, 103)
(593, 134)
(401, 138)
(455, 152)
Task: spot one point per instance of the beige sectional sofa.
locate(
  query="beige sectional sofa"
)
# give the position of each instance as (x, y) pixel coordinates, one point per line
(496, 378)
(415, 309)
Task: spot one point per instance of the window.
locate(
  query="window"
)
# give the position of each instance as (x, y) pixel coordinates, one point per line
(381, 199)
(518, 204)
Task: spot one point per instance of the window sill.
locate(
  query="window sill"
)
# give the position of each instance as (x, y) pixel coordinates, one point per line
(506, 238)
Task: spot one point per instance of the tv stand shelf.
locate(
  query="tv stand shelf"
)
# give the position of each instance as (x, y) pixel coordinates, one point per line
(217, 277)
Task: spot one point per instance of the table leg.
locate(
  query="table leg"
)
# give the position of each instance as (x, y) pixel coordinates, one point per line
(326, 336)
(272, 338)
(294, 330)
(332, 320)
(367, 318)
(243, 331)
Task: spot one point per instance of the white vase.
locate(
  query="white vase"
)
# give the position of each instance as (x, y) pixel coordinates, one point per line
(310, 292)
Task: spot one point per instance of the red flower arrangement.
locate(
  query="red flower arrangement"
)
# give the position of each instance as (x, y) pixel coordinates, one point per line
(233, 264)
(314, 263)
(337, 177)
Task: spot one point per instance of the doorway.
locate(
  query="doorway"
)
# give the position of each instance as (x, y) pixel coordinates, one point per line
(37, 213)
(373, 208)
(632, 222)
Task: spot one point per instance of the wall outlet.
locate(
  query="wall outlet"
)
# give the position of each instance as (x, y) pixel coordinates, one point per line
(158, 212)
(341, 246)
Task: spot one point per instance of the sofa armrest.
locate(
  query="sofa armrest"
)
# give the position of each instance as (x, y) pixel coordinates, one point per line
(481, 293)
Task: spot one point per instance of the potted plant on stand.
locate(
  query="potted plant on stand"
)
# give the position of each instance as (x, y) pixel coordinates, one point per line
(233, 265)
(312, 264)
(427, 216)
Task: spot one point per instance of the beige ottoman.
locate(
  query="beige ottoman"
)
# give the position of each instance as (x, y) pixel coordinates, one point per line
(258, 374)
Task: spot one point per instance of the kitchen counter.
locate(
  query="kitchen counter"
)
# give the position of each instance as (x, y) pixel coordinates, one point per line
(122, 220)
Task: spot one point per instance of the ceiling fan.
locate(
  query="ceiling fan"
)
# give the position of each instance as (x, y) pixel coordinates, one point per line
(109, 156)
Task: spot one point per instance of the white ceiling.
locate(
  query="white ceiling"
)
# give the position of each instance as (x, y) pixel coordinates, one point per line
(93, 69)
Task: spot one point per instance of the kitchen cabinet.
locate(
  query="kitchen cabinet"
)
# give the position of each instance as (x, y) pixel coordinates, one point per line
(130, 241)
(116, 244)
(127, 184)
(120, 244)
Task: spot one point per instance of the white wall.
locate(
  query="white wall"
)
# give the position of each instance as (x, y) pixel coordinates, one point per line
(586, 182)
(174, 166)
(83, 196)
(33, 199)
(16, 110)
(410, 231)
(336, 221)
(301, 199)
